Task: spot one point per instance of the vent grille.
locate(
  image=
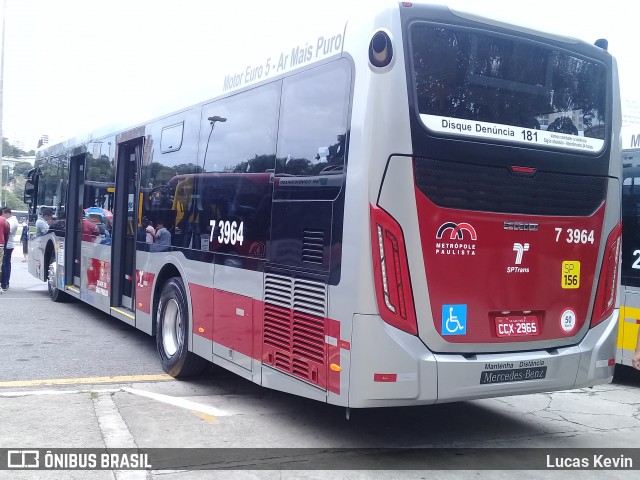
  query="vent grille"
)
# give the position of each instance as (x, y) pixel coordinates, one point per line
(278, 290)
(294, 327)
(310, 297)
(496, 189)
(308, 337)
(282, 362)
(313, 246)
(277, 327)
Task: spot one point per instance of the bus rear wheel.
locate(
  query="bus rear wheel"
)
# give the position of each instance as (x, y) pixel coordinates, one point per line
(172, 332)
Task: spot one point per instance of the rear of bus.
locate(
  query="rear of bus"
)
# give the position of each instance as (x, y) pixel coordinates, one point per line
(496, 240)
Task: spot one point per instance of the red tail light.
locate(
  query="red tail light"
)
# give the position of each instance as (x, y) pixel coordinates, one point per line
(608, 283)
(391, 272)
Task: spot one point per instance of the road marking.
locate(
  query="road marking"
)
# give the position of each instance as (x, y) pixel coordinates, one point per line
(206, 412)
(28, 393)
(115, 432)
(4, 297)
(179, 402)
(87, 380)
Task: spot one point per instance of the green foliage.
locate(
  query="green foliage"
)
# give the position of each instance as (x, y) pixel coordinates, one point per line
(158, 174)
(9, 150)
(258, 164)
(10, 200)
(100, 169)
(21, 168)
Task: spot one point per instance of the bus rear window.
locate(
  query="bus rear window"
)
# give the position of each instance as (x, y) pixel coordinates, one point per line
(501, 88)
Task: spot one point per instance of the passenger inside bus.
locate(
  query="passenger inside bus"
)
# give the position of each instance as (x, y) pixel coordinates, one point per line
(89, 229)
(162, 241)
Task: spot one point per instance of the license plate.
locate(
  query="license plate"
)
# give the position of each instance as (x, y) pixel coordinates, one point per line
(517, 326)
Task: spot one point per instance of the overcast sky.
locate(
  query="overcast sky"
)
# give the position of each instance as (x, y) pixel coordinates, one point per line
(73, 65)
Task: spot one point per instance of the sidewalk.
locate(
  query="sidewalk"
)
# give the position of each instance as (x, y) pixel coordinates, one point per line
(21, 282)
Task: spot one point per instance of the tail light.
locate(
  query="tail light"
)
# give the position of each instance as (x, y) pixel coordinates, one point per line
(608, 282)
(391, 272)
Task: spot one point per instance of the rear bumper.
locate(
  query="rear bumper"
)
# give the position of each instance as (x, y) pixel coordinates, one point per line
(392, 368)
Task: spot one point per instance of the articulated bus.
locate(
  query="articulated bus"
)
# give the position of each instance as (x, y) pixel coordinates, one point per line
(418, 206)
(630, 295)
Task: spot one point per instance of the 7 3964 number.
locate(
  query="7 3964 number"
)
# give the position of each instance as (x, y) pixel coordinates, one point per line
(576, 235)
(229, 233)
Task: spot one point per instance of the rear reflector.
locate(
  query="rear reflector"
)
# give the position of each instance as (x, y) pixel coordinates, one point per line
(523, 170)
(608, 282)
(391, 272)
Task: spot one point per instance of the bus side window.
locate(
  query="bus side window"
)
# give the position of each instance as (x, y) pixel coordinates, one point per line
(313, 137)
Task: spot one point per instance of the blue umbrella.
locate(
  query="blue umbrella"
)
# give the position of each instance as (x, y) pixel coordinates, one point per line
(99, 211)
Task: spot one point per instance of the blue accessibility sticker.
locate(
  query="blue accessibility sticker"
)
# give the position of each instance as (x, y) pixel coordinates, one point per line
(454, 319)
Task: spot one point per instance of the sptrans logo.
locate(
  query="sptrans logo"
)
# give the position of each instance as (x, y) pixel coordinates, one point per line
(456, 239)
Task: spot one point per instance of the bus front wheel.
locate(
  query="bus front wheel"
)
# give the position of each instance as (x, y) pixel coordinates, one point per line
(55, 293)
(172, 332)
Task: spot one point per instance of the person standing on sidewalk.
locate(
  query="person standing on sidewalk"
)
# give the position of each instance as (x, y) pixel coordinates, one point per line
(10, 245)
(4, 236)
(24, 239)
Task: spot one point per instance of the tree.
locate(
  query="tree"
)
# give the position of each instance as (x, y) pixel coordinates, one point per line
(12, 201)
(258, 164)
(21, 168)
(9, 150)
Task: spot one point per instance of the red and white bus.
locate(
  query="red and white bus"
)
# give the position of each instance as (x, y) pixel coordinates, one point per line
(419, 206)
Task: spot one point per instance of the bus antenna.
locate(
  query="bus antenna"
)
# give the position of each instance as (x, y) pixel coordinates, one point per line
(603, 43)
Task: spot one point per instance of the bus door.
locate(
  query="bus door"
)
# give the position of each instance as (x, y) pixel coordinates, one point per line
(75, 213)
(123, 243)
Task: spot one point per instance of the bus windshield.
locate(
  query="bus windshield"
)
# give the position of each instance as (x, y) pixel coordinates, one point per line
(503, 88)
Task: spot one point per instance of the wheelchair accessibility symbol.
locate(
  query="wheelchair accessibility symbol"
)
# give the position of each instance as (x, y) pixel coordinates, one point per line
(454, 319)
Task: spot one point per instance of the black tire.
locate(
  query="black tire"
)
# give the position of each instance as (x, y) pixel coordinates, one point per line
(55, 293)
(172, 332)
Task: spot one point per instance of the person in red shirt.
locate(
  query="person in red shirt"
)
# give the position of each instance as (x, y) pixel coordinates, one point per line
(4, 237)
(90, 229)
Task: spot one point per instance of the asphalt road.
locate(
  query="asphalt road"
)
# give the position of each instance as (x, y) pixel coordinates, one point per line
(43, 339)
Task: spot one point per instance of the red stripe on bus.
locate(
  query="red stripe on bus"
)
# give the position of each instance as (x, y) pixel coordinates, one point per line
(332, 329)
(385, 377)
(233, 321)
(144, 286)
(202, 310)
(238, 323)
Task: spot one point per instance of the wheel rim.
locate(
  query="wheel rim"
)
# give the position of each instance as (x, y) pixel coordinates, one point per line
(51, 279)
(172, 333)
